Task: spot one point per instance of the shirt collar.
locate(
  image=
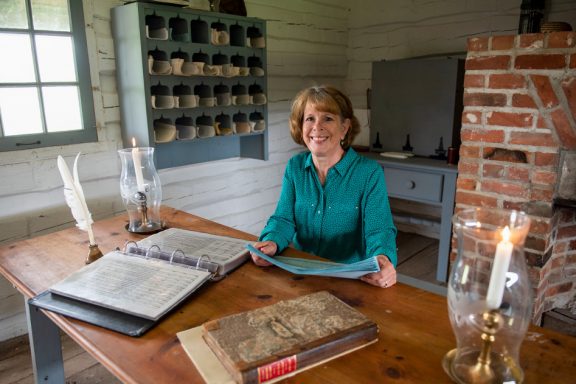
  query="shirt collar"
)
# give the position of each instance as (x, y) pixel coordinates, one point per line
(342, 166)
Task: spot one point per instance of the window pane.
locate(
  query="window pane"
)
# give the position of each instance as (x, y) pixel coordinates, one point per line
(55, 58)
(20, 111)
(13, 14)
(50, 15)
(16, 64)
(62, 109)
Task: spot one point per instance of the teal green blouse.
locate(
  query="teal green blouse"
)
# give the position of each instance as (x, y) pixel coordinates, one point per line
(346, 220)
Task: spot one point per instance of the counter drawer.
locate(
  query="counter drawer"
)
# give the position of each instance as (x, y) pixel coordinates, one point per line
(414, 185)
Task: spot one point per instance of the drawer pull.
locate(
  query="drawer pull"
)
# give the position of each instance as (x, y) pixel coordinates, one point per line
(410, 184)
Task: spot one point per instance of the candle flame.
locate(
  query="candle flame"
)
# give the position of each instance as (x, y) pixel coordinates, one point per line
(506, 234)
(134, 142)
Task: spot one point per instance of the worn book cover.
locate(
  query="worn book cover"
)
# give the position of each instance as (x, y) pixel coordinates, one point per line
(262, 344)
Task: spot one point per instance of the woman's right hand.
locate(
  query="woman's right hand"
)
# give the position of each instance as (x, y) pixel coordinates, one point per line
(266, 247)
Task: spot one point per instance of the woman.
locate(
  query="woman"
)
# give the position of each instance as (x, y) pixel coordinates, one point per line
(333, 203)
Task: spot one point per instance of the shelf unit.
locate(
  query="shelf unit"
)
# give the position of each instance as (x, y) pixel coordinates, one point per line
(151, 41)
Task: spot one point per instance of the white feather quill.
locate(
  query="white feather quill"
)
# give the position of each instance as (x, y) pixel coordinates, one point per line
(75, 198)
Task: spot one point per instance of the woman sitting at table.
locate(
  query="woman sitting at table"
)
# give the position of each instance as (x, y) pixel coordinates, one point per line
(334, 202)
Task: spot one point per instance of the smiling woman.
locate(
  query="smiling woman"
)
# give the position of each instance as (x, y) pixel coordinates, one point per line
(45, 90)
(333, 203)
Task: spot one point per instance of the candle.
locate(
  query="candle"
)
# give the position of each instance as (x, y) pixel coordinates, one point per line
(137, 167)
(499, 270)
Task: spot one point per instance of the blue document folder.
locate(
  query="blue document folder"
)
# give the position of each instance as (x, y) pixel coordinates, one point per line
(320, 268)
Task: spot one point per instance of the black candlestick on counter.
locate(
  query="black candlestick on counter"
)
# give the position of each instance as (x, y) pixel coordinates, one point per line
(440, 151)
(377, 144)
(407, 147)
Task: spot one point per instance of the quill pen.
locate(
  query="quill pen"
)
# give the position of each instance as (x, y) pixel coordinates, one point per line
(74, 196)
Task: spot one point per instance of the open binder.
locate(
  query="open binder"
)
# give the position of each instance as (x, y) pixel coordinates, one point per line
(129, 290)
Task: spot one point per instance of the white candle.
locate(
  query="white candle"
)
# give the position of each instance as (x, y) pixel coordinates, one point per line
(137, 167)
(499, 270)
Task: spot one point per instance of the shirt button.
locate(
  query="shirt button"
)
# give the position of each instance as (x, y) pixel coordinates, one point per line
(318, 212)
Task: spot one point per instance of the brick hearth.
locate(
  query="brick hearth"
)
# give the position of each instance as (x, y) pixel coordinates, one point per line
(519, 117)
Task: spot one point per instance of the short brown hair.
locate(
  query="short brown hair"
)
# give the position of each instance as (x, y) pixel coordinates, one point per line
(326, 99)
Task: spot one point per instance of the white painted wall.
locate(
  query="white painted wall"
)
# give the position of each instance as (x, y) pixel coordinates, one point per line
(309, 42)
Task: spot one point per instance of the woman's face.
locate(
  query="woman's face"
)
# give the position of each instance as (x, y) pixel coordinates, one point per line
(323, 131)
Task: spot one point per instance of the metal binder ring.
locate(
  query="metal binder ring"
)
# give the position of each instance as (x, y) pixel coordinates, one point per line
(150, 249)
(200, 259)
(128, 243)
(174, 253)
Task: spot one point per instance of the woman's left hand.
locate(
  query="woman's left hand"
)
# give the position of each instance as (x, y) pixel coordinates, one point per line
(385, 278)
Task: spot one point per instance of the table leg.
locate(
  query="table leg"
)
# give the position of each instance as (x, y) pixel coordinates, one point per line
(449, 189)
(45, 347)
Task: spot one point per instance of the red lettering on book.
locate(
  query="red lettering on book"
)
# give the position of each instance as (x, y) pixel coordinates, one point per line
(277, 369)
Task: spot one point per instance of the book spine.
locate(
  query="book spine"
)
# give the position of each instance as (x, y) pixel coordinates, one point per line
(322, 350)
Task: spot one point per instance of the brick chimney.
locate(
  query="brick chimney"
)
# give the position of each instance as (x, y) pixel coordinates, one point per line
(519, 149)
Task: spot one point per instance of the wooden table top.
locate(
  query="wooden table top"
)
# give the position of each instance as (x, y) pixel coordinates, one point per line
(415, 331)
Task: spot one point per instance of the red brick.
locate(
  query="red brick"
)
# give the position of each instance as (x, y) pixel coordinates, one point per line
(475, 199)
(492, 170)
(561, 39)
(532, 138)
(572, 61)
(541, 194)
(543, 159)
(542, 123)
(506, 81)
(556, 289)
(466, 184)
(572, 247)
(566, 232)
(473, 81)
(469, 152)
(518, 174)
(484, 99)
(566, 133)
(531, 40)
(467, 168)
(540, 227)
(540, 62)
(569, 88)
(478, 44)
(520, 100)
(544, 177)
(502, 42)
(471, 117)
(558, 262)
(536, 243)
(503, 188)
(559, 247)
(482, 135)
(488, 62)
(545, 91)
(510, 119)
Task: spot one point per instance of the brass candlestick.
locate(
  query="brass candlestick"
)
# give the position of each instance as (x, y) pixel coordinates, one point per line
(488, 296)
(94, 253)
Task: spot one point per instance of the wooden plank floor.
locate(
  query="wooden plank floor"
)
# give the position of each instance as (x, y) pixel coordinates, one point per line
(416, 258)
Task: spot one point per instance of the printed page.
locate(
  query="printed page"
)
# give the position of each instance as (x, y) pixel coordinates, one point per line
(143, 287)
(321, 268)
(224, 251)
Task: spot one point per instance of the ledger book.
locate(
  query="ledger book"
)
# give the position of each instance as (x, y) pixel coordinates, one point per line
(148, 278)
(282, 339)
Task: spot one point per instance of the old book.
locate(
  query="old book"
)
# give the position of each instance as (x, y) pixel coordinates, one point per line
(270, 342)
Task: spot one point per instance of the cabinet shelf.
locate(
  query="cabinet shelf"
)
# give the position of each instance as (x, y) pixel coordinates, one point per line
(191, 83)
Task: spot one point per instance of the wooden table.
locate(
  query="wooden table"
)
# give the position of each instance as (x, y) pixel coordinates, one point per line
(415, 332)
